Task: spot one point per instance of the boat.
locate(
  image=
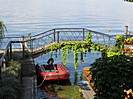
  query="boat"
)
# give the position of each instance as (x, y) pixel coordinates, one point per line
(57, 72)
(87, 74)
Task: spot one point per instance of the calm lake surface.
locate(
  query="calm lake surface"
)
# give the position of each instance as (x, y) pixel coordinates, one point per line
(88, 59)
(35, 16)
(76, 75)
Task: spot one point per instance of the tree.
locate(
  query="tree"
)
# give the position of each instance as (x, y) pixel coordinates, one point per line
(112, 76)
(2, 30)
(129, 0)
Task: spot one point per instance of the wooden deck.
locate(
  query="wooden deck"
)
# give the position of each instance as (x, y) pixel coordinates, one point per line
(87, 91)
(45, 48)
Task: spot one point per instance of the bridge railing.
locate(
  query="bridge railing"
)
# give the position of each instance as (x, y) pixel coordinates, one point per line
(7, 45)
(40, 41)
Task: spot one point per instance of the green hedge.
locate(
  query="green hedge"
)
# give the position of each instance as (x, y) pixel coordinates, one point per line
(10, 87)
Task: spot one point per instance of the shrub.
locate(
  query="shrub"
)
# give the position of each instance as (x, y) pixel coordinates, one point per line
(7, 92)
(10, 86)
(112, 76)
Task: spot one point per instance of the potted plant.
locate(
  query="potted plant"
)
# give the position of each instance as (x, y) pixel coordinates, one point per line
(126, 50)
(129, 40)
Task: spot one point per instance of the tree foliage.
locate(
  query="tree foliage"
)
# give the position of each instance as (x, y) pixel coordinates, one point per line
(2, 31)
(129, 0)
(77, 47)
(10, 85)
(112, 75)
(119, 42)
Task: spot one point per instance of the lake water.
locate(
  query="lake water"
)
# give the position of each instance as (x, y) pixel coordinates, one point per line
(76, 75)
(88, 59)
(35, 16)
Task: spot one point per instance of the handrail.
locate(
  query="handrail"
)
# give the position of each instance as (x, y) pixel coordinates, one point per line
(60, 30)
(4, 54)
(13, 37)
(52, 36)
(42, 33)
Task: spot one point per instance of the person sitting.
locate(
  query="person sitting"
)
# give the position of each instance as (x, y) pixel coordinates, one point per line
(50, 65)
(50, 61)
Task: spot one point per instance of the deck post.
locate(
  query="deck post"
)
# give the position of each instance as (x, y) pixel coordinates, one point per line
(31, 45)
(109, 43)
(7, 59)
(8, 55)
(83, 34)
(126, 30)
(23, 45)
(10, 51)
(57, 37)
(0, 73)
(54, 36)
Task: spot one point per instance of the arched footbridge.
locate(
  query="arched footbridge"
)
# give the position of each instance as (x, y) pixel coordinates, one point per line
(40, 42)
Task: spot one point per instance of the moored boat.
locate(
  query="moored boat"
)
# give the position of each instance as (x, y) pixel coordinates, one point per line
(87, 74)
(86, 71)
(57, 72)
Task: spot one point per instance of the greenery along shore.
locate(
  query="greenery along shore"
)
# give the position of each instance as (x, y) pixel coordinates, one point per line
(2, 30)
(10, 85)
(113, 77)
(129, 0)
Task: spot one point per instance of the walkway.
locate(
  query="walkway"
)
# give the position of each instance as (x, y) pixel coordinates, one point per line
(45, 48)
(86, 90)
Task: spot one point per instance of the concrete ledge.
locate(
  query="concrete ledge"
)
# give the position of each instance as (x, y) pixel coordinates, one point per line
(28, 88)
(27, 68)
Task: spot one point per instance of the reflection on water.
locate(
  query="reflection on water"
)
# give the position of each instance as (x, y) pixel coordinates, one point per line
(75, 78)
(49, 88)
(84, 59)
(76, 75)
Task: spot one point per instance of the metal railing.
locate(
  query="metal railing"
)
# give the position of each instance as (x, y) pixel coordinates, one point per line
(41, 40)
(57, 35)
